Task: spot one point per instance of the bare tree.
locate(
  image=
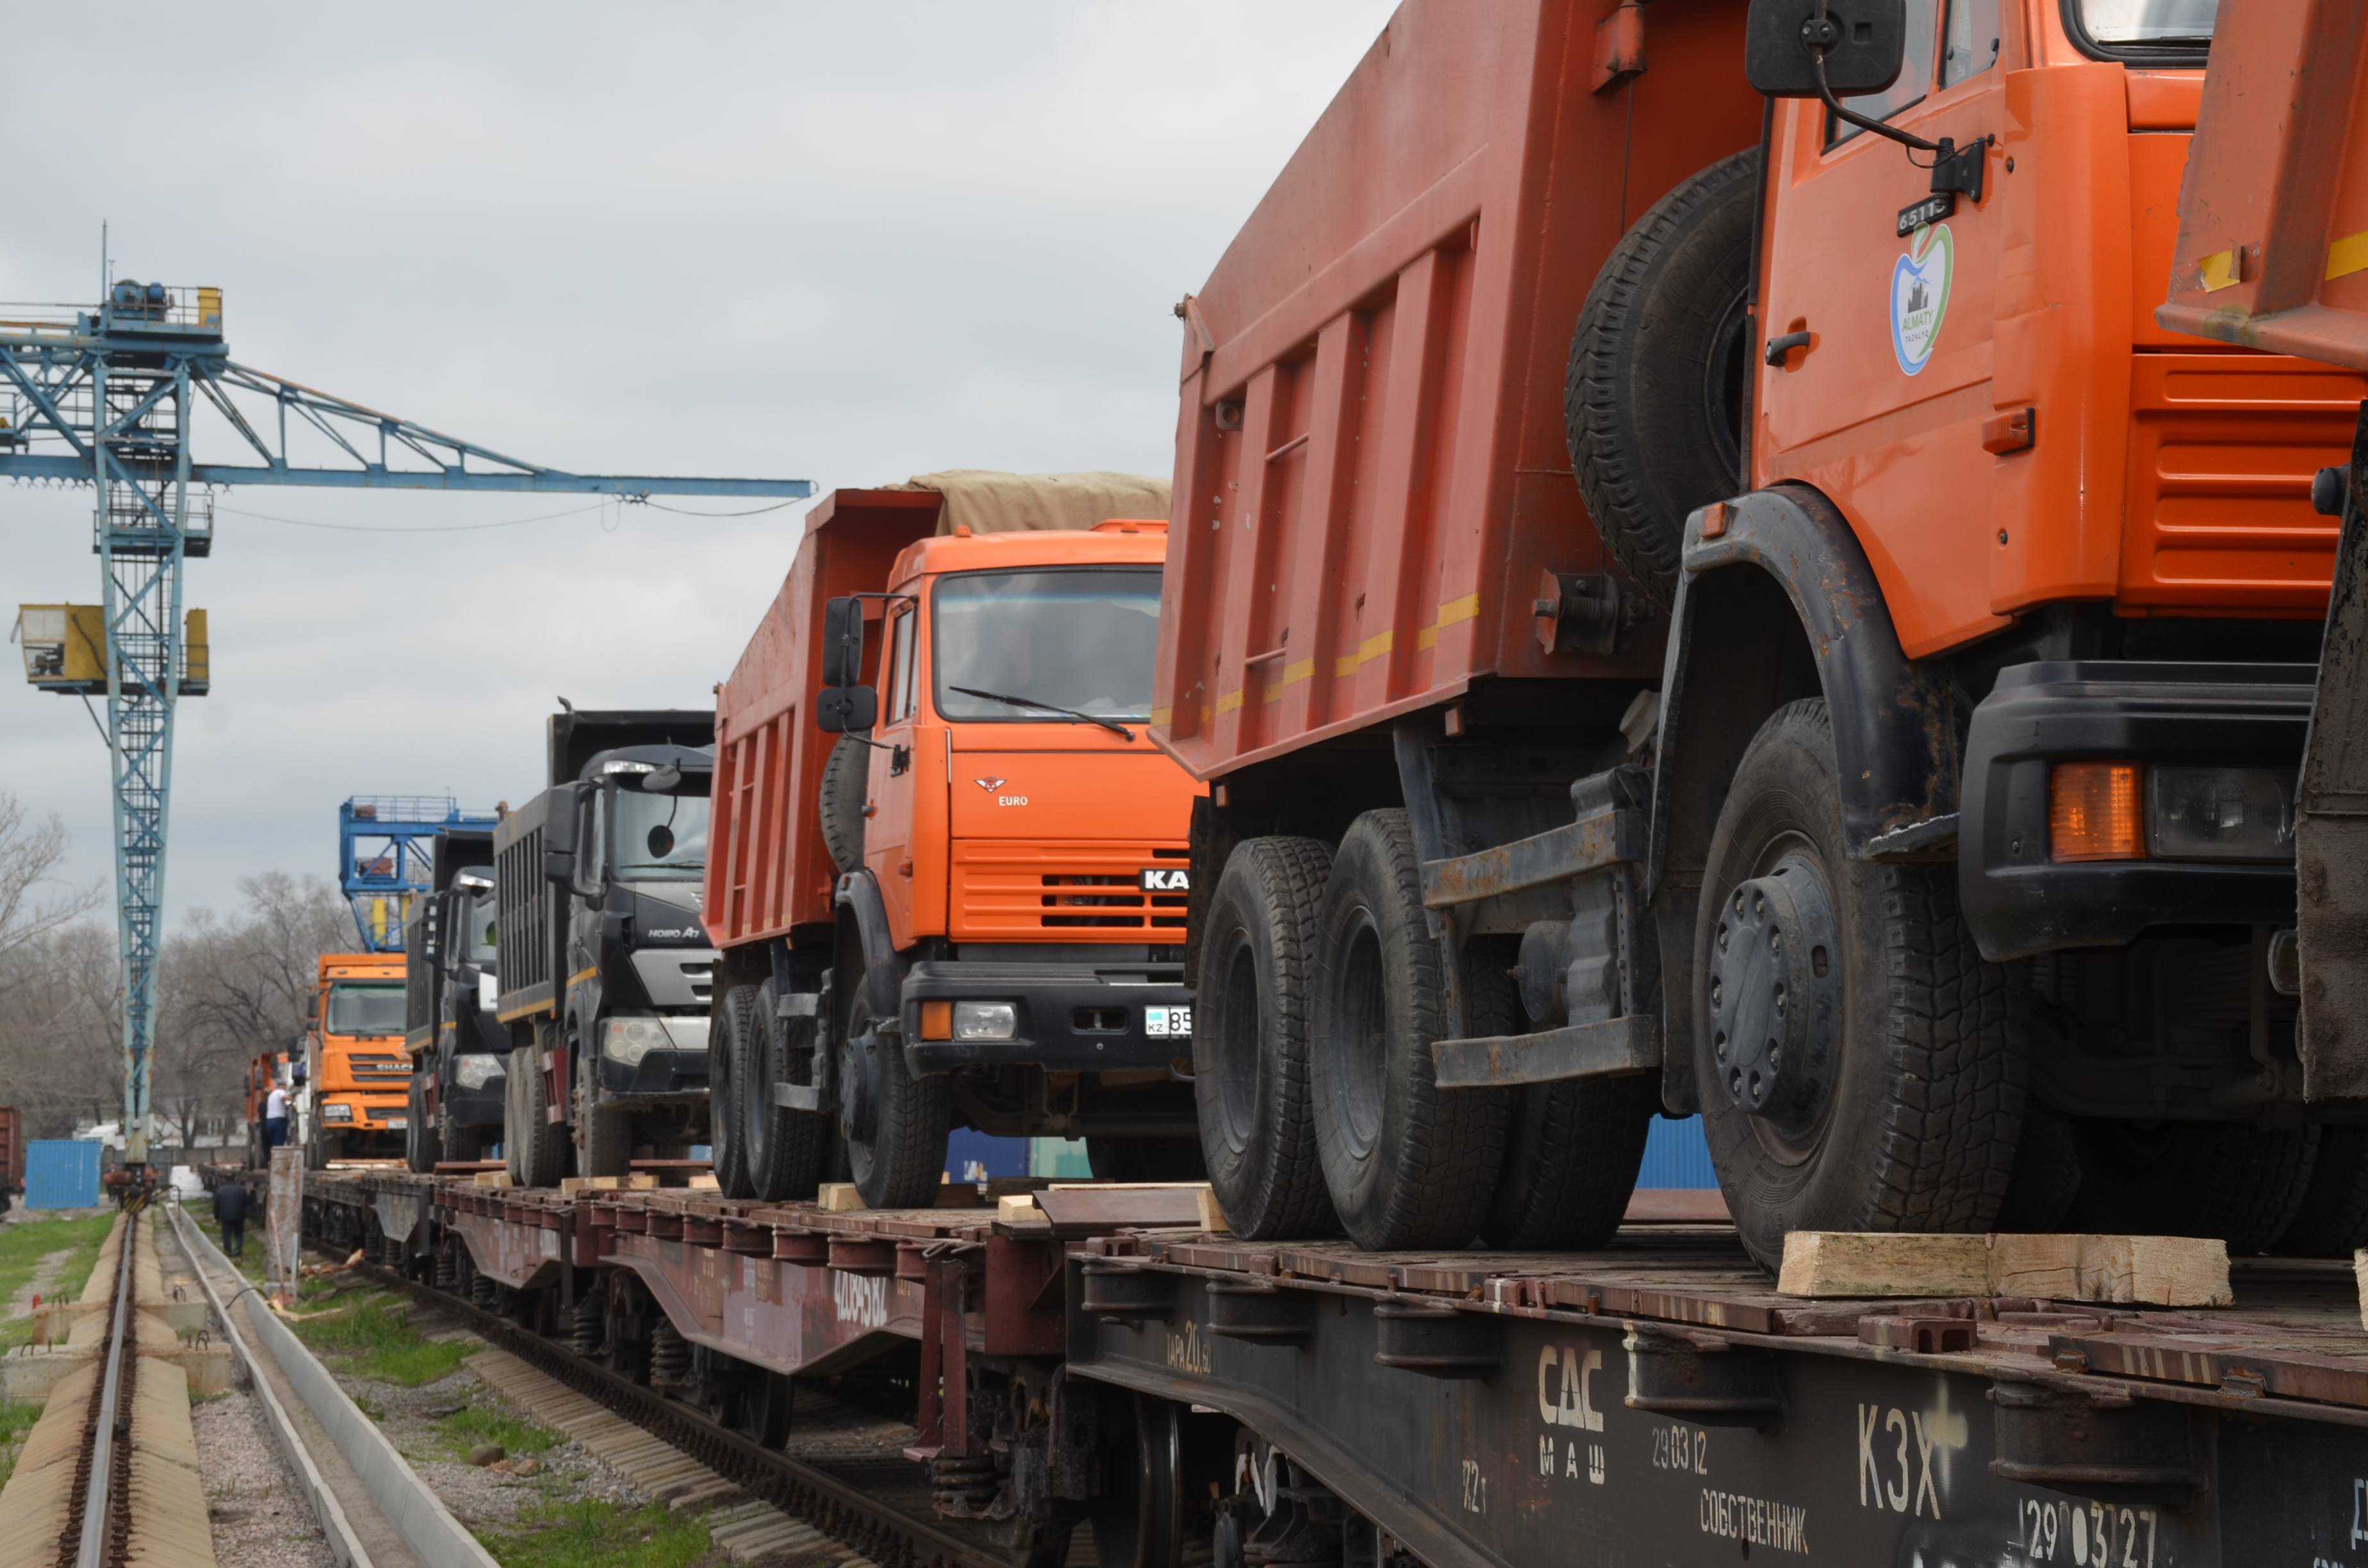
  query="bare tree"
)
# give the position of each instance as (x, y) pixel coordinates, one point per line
(30, 856)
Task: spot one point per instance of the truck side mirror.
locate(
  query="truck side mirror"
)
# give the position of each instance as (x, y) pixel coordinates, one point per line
(841, 707)
(559, 866)
(842, 641)
(1863, 43)
(312, 1008)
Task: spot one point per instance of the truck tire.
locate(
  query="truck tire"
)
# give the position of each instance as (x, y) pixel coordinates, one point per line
(418, 1152)
(1249, 1039)
(2047, 1174)
(1147, 1159)
(1572, 1148)
(1653, 398)
(727, 1144)
(845, 778)
(784, 1146)
(2333, 1219)
(534, 1146)
(2194, 1178)
(606, 1131)
(1407, 1165)
(902, 1163)
(1901, 1112)
(460, 1144)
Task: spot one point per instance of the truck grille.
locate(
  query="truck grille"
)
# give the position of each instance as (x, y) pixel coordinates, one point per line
(379, 1066)
(1002, 889)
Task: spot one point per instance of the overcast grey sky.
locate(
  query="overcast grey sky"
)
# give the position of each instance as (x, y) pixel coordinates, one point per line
(841, 243)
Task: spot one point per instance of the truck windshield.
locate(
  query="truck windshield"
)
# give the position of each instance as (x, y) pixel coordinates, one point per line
(1081, 637)
(480, 915)
(2148, 21)
(662, 838)
(365, 1009)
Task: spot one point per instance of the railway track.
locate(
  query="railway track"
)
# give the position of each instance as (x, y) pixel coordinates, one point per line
(98, 1510)
(848, 1514)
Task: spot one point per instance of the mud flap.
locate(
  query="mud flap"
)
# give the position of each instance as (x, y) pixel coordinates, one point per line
(2331, 822)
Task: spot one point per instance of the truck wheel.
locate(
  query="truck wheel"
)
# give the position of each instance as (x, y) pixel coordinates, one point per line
(784, 1146)
(896, 1145)
(845, 779)
(418, 1153)
(1407, 1166)
(2047, 1174)
(1572, 1148)
(533, 1145)
(2333, 1219)
(726, 1049)
(2194, 1178)
(461, 1145)
(1653, 400)
(1249, 1039)
(1147, 1159)
(1861, 1068)
(607, 1131)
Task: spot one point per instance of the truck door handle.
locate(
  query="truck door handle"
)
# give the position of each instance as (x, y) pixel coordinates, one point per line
(1779, 346)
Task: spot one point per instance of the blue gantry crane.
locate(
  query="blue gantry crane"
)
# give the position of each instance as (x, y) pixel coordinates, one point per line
(107, 397)
(384, 857)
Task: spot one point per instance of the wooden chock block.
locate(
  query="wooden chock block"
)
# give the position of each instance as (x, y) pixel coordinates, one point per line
(1022, 1206)
(838, 1197)
(2164, 1271)
(1859, 1263)
(492, 1178)
(1212, 1217)
(2360, 1275)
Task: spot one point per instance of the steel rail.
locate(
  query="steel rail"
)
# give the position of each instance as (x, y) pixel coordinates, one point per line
(890, 1539)
(99, 1504)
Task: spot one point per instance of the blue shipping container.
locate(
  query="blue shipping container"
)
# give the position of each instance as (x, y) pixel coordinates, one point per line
(61, 1173)
(972, 1156)
(1677, 1154)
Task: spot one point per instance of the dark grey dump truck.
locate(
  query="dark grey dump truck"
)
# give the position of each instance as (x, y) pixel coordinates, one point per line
(604, 964)
(460, 1051)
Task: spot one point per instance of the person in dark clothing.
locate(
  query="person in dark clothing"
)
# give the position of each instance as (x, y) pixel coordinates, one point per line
(230, 1214)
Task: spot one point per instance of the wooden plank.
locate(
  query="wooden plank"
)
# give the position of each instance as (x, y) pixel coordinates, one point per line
(2176, 1271)
(838, 1197)
(1212, 1214)
(2169, 1271)
(1678, 1206)
(1845, 1263)
(1111, 1205)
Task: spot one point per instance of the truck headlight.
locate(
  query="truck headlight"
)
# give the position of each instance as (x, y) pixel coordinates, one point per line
(336, 1112)
(630, 1039)
(986, 1020)
(2221, 814)
(476, 1072)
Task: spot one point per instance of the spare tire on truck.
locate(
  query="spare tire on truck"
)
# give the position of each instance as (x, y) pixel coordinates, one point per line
(845, 781)
(1653, 401)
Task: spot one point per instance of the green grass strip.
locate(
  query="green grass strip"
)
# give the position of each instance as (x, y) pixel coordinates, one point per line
(589, 1533)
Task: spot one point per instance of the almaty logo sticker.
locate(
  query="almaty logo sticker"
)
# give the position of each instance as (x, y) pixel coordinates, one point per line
(1919, 295)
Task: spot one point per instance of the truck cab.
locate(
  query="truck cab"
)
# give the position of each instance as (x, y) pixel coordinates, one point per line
(460, 1051)
(603, 964)
(361, 1071)
(951, 868)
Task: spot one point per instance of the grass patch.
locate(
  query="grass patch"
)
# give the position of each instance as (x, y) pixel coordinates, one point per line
(15, 1420)
(373, 1338)
(249, 1262)
(592, 1534)
(465, 1428)
(24, 1244)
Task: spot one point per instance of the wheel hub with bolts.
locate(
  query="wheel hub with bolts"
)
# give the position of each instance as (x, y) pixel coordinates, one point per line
(1775, 993)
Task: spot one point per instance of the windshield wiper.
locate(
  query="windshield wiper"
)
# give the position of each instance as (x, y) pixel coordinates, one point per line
(1110, 724)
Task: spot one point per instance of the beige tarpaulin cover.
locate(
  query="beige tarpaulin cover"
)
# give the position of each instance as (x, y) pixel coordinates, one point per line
(989, 503)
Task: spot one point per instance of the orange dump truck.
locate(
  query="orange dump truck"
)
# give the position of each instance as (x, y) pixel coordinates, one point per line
(948, 867)
(1700, 581)
(359, 1068)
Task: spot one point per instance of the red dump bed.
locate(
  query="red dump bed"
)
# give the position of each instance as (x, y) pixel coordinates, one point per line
(1371, 472)
(767, 866)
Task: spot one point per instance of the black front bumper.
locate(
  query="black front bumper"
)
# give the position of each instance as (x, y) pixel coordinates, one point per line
(2019, 902)
(1072, 1017)
(661, 1074)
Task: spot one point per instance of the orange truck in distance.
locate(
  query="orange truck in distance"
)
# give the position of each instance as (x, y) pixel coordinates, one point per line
(1700, 580)
(948, 869)
(359, 1067)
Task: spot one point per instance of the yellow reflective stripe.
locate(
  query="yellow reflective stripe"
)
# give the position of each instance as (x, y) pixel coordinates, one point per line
(1453, 610)
(2348, 256)
(1229, 701)
(1292, 673)
(581, 975)
(1162, 717)
(2220, 271)
(1344, 666)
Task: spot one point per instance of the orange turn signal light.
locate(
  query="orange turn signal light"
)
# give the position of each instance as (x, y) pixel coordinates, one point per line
(937, 1020)
(2095, 811)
